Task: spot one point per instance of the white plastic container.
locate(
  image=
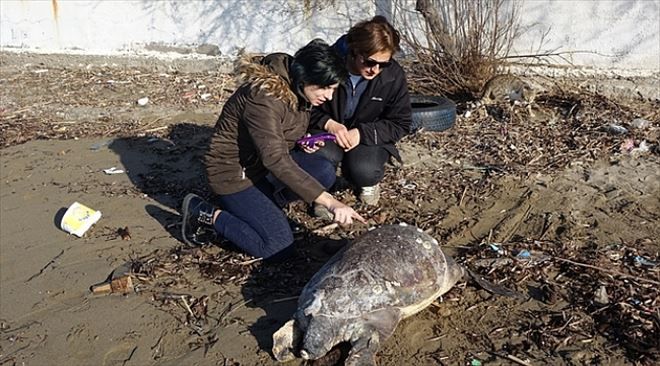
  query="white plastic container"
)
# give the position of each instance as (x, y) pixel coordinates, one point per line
(78, 218)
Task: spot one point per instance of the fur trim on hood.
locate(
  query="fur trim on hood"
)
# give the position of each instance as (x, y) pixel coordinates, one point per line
(269, 74)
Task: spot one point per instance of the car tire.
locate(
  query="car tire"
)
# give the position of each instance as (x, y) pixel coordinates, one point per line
(432, 113)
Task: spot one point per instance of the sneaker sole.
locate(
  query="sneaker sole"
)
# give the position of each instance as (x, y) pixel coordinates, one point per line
(185, 205)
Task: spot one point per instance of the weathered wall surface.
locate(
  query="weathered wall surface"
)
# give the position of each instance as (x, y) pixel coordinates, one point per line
(105, 27)
(612, 34)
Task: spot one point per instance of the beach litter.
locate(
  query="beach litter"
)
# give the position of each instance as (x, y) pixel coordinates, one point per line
(120, 281)
(143, 101)
(113, 170)
(78, 218)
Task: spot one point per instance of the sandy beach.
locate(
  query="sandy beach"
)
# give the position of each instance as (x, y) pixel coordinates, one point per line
(580, 200)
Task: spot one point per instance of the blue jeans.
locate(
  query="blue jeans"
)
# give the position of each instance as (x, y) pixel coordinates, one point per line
(253, 219)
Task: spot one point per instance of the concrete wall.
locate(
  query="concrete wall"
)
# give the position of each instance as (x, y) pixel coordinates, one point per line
(110, 26)
(606, 33)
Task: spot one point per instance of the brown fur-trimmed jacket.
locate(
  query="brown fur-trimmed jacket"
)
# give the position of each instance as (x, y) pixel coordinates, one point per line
(257, 128)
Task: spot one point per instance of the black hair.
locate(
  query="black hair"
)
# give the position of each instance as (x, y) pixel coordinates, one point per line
(317, 64)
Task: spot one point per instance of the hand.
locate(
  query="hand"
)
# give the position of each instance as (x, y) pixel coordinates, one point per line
(344, 214)
(344, 139)
(312, 149)
(315, 148)
(354, 137)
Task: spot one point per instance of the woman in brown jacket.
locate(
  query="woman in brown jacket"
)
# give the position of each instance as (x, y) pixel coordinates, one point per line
(252, 164)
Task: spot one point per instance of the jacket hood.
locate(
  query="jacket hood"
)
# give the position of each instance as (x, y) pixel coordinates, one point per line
(269, 74)
(341, 46)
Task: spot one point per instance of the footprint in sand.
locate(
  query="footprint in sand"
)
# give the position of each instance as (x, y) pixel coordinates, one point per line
(119, 354)
(79, 343)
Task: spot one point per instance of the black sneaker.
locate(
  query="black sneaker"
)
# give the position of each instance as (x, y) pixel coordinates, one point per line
(341, 184)
(197, 227)
(296, 228)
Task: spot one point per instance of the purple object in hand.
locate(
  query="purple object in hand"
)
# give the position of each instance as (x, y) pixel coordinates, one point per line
(310, 141)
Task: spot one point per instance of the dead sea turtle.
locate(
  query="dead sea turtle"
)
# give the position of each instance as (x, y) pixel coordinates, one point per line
(362, 292)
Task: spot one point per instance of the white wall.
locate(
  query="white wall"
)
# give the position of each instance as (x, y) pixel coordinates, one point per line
(614, 33)
(108, 26)
(609, 33)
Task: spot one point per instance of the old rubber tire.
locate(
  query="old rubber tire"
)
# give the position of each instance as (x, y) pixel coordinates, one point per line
(432, 113)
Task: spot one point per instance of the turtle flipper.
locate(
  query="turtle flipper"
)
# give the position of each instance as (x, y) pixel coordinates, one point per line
(378, 326)
(286, 341)
(363, 351)
(495, 289)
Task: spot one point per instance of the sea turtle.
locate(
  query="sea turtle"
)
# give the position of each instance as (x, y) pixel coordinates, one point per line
(363, 291)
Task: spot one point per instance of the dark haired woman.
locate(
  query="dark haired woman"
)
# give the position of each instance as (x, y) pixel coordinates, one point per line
(252, 165)
(370, 112)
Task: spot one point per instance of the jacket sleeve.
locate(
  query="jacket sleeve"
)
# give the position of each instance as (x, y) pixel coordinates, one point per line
(263, 119)
(320, 116)
(395, 120)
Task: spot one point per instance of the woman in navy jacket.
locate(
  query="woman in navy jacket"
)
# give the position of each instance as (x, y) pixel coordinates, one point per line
(368, 113)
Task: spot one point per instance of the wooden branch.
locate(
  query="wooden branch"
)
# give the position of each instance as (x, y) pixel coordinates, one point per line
(612, 272)
(548, 54)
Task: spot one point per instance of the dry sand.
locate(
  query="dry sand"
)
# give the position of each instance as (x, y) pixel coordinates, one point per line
(587, 210)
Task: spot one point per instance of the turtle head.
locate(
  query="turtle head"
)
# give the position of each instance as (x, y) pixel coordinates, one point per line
(286, 341)
(455, 272)
(320, 337)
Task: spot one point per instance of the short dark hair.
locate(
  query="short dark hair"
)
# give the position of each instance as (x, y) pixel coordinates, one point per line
(317, 64)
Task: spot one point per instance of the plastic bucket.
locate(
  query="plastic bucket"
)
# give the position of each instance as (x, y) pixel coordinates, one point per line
(78, 218)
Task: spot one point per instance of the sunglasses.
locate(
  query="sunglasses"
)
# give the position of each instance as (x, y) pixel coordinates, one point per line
(368, 62)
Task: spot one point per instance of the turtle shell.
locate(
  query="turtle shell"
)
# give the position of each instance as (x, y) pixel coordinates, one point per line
(396, 266)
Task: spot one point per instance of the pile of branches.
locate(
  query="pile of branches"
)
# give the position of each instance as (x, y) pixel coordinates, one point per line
(459, 44)
(600, 291)
(578, 130)
(67, 103)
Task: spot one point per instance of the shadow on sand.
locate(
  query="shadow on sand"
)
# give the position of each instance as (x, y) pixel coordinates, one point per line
(274, 287)
(167, 168)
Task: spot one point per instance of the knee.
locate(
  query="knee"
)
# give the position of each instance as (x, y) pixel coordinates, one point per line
(326, 174)
(364, 173)
(321, 169)
(332, 152)
(277, 245)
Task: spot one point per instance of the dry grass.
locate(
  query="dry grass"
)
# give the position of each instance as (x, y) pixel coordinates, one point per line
(458, 45)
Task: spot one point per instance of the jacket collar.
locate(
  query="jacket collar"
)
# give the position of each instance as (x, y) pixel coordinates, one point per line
(271, 75)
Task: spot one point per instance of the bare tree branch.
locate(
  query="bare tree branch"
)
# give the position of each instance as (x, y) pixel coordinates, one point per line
(461, 43)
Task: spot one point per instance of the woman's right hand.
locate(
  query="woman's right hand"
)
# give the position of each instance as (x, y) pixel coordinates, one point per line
(343, 214)
(344, 138)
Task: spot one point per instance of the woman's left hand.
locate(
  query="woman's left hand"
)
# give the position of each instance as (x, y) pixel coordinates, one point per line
(354, 138)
